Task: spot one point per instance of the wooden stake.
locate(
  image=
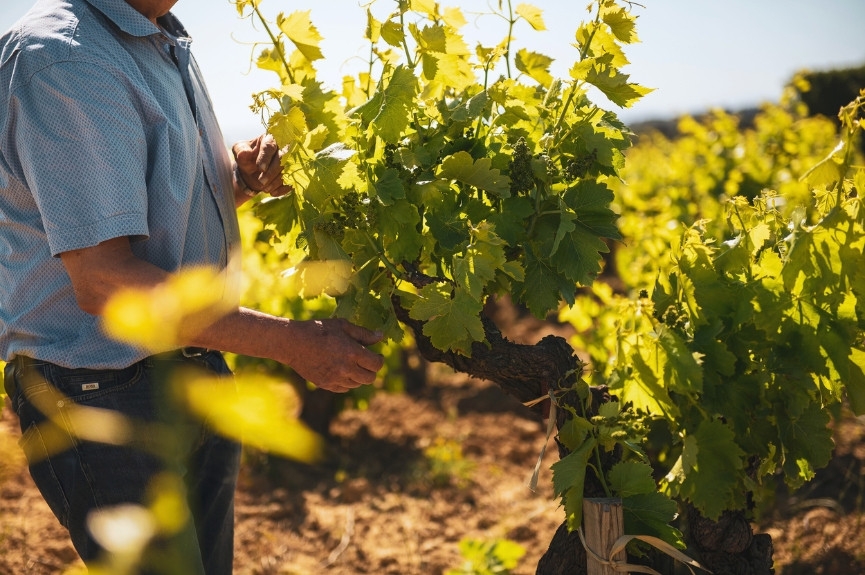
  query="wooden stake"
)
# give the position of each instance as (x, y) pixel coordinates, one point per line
(603, 524)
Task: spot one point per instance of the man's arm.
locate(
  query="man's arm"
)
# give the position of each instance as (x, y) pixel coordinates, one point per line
(330, 353)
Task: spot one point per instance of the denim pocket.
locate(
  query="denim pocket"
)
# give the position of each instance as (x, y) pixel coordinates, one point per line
(42, 470)
(91, 386)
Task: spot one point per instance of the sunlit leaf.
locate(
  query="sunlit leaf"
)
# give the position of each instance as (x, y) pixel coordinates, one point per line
(255, 409)
(161, 318)
(299, 29)
(531, 14)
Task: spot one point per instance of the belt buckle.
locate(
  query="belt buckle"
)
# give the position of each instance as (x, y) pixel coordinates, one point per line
(191, 352)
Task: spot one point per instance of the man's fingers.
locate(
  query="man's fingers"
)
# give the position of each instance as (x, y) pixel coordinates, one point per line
(361, 334)
(371, 362)
(267, 151)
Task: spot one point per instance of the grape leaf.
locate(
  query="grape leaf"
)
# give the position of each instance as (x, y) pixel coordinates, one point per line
(535, 65)
(614, 84)
(622, 23)
(591, 201)
(388, 187)
(806, 444)
(389, 110)
(304, 35)
(651, 514)
(483, 257)
(471, 108)
(478, 173)
(569, 476)
(392, 33)
(629, 478)
(682, 370)
(854, 383)
(397, 226)
(713, 484)
(452, 317)
(328, 167)
(540, 291)
(533, 15)
(510, 222)
(645, 389)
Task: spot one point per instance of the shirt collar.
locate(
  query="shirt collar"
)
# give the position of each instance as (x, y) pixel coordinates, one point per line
(135, 23)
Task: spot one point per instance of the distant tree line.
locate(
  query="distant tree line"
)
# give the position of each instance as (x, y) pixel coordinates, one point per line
(828, 91)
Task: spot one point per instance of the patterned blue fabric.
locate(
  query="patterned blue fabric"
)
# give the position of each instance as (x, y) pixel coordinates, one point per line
(106, 130)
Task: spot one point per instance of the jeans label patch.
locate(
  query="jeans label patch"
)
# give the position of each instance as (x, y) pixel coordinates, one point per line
(89, 386)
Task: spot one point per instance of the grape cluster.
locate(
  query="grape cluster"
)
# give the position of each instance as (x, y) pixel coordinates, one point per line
(552, 170)
(358, 210)
(409, 176)
(522, 179)
(579, 167)
(332, 228)
(674, 318)
(389, 153)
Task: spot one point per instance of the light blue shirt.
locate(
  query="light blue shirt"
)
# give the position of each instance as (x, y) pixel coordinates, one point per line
(106, 130)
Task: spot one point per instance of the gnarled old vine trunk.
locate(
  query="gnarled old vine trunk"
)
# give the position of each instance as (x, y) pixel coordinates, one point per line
(528, 372)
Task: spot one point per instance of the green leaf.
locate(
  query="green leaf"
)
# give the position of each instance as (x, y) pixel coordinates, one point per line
(591, 201)
(622, 23)
(452, 317)
(643, 388)
(388, 187)
(397, 227)
(713, 484)
(651, 514)
(299, 29)
(463, 168)
(854, 383)
(682, 370)
(578, 257)
(393, 33)
(531, 14)
(573, 433)
(431, 38)
(511, 221)
(535, 65)
(471, 108)
(566, 226)
(449, 233)
(806, 444)
(393, 109)
(328, 167)
(569, 477)
(289, 128)
(826, 172)
(484, 256)
(629, 478)
(282, 213)
(541, 290)
(614, 84)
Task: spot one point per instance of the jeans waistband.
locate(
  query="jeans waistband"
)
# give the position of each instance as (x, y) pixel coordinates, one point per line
(200, 353)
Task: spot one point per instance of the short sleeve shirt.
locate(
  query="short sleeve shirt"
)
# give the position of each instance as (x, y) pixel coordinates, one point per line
(106, 130)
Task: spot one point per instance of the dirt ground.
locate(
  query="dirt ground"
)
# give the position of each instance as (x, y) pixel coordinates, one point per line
(412, 476)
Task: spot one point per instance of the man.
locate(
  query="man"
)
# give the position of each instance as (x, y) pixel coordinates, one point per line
(113, 174)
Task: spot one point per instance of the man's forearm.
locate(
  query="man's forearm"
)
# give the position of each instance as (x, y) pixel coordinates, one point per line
(331, 353)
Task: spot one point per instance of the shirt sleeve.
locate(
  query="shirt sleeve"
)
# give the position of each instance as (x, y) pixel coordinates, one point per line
(82, 151)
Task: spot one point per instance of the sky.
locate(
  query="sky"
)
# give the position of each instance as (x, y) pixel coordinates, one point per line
(696, 54)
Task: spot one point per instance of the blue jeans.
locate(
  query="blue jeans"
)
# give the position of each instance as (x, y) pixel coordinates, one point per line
(160, 445)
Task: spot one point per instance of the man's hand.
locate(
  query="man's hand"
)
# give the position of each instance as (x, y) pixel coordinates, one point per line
(332, 353)
(258, 168)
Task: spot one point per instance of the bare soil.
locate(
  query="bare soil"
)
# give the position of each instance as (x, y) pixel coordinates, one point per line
(413, 475)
